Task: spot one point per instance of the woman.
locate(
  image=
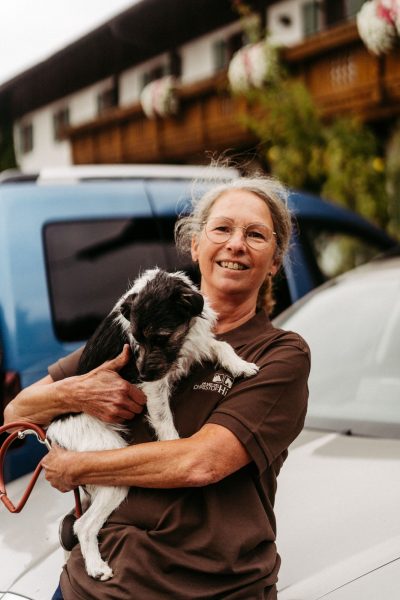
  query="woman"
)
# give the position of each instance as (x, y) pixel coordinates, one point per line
(198, 522)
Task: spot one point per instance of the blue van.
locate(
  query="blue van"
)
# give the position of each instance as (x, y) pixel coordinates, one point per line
(72, 239)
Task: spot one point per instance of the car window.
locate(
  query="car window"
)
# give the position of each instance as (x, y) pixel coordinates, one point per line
(91, 263)
(353, 329)
(337, 252)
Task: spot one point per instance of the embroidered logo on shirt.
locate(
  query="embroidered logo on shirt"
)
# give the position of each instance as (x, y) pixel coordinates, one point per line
(220, 383)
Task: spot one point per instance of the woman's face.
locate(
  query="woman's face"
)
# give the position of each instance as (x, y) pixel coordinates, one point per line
(233, 268)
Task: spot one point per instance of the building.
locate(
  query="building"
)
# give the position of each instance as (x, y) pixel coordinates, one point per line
(82, 105)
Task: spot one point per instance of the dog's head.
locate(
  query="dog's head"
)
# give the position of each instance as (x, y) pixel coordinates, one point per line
(160, 314)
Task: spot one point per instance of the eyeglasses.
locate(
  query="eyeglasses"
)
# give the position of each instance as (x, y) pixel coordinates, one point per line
(220, 229)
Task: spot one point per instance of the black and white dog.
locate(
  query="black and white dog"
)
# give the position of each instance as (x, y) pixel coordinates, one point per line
(169, 325)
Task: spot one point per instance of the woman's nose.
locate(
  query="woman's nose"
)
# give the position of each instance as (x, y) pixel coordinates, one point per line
(237, 239)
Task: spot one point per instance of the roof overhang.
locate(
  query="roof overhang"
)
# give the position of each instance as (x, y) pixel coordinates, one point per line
(146, 29)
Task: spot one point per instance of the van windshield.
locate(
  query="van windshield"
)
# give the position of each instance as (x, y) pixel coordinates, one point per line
(353, 329)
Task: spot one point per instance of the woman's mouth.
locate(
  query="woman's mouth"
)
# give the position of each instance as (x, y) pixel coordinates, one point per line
(235, 266)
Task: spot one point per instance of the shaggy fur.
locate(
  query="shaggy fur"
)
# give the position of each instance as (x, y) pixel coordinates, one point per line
(168, 325)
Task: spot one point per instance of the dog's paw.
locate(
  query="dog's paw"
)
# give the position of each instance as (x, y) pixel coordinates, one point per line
(100, 571)
(248, 369)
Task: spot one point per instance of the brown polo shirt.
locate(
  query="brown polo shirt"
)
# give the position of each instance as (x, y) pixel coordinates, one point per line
(218, 541)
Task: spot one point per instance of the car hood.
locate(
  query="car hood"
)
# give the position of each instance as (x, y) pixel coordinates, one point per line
(29, 537)
(337, 512)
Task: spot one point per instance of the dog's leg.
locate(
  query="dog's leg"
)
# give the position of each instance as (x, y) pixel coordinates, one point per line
(159, 411)
(224, 354)
(105, 499)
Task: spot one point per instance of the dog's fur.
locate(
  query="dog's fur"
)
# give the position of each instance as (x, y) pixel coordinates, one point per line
(168, 325)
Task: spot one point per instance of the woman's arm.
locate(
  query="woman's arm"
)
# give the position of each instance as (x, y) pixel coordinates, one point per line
(101, 393)
(208, 456)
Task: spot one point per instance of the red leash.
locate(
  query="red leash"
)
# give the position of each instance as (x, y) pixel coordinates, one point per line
(23, 429)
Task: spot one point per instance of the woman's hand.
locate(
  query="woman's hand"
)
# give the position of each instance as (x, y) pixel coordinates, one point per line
(102, 393)
(58, 465)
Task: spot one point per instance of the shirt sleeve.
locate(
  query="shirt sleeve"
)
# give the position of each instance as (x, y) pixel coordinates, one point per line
(266, 412)
(66, 366)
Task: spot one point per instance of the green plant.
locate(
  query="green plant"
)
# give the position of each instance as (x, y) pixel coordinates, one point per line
(339, 159)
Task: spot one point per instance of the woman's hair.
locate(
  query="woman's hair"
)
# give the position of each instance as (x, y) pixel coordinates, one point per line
(271, 191)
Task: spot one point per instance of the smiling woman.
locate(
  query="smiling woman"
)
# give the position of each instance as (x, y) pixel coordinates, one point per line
(198, 522)
(256, 206)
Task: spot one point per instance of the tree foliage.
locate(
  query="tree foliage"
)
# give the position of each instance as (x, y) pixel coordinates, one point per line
(339, 159)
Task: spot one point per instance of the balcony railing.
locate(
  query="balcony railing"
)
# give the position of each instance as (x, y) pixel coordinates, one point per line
(337, 68)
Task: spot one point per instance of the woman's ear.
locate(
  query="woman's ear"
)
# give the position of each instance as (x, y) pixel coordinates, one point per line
(275, 268)
(276, 265)
(195, 249)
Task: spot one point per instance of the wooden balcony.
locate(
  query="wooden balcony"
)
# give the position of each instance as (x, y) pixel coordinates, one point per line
(207, 121)
(343, 76)
(337, 68)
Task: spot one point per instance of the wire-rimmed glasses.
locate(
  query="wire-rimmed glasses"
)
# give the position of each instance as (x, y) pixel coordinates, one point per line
(256, 235)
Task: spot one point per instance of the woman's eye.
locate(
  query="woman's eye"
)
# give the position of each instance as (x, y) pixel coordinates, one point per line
(255, 234)
(222, 229)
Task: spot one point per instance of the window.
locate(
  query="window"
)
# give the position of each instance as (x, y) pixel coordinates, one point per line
(353, 6)
(91, 263)
(107, 99)
(172, 67)
(26, 138)
(353, 329)
(60, 122)
(311, 18)
(220, 54)
(336, 252)
(175, 64)
(334, 12)
(224, 49)
(153, 74)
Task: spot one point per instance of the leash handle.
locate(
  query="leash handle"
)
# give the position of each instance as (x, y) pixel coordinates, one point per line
(22, 429)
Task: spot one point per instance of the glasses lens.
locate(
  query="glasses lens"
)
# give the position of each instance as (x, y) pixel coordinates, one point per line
(219, 230)
(258, 235)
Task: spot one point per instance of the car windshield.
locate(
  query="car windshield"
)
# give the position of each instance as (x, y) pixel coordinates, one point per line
(352, 326)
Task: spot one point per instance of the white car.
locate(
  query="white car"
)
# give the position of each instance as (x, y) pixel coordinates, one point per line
(338, 499)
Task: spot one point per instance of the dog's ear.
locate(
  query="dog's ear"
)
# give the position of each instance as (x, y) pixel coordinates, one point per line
(194, 301)
(126, 306)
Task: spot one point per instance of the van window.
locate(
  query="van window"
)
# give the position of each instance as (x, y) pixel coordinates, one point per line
(336, 251)
(91, 263)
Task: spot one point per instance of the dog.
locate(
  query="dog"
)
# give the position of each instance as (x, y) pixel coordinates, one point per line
(169, 327)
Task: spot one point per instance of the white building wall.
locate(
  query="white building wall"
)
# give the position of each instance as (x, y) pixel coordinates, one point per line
(281, 33)
(130, 83)
(48, 151)
(83, 104)
(198, 55)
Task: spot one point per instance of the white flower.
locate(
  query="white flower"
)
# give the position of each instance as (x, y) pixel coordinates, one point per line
(393, 8)
(251, 66)
(159, 98)
(376, 24)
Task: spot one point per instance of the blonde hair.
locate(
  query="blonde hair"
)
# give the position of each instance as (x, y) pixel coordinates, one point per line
(271, 191)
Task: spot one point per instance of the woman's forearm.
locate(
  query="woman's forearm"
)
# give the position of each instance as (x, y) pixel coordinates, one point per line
(101, 393)
(206, 457)
(154, 464)
(39, 403)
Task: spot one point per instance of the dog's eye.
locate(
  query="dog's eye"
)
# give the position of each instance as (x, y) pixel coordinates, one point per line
(160, 339)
